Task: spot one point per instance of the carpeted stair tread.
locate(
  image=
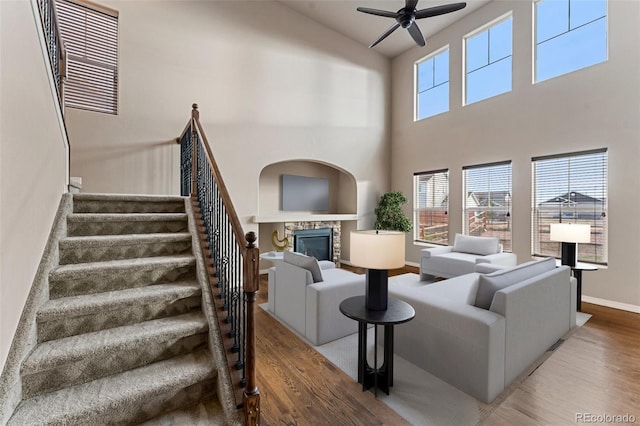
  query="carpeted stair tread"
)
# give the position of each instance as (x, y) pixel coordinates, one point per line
(80, 224)
(113, 300)
(125, 217)
(98, 277)
(204, 414)
(80, 269)
(118, 203)
(86, 196)
(125, 398)
(127, 239)
(98, 248)
(67, 350)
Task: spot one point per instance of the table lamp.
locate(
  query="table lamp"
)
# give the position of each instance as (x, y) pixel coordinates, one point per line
(378, 251)
(570, 234)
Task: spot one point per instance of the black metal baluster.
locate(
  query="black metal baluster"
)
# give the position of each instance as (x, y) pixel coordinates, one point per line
(226, 250)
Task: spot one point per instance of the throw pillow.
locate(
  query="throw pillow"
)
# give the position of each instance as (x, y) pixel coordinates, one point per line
(490, 283)
(476, 245)
(307, 262)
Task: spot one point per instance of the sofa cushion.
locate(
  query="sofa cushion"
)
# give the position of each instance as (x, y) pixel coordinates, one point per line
(490, 283)
(450, 264)
(306, 262)
(476, 245)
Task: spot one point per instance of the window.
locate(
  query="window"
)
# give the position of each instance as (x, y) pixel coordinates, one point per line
(487, 202)
(488, 61)
(432, 85)
(570, 35)
(431, 206)
(570, 188)
(90, 34)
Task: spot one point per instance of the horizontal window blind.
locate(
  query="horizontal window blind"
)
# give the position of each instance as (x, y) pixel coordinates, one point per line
(91, 39)
(431, 207)
(487, 201)
(570, 188)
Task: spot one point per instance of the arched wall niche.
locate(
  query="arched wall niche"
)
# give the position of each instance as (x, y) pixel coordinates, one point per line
(342, 186)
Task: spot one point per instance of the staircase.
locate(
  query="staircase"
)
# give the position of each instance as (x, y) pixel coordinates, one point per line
(123, 338)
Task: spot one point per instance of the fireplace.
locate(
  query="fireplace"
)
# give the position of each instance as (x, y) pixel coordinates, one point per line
(314, 242)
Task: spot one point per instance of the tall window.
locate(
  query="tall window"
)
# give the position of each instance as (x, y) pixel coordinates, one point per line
(488, 61)
(431, 206)
(90, 34)
(487, 201)
(570, 188)
(432, 84)
(570, 35)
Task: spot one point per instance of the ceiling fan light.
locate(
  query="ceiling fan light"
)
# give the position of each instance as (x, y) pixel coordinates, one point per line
(406, 17)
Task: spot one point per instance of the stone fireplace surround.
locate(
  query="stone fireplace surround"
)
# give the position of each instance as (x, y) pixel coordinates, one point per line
(335, 226)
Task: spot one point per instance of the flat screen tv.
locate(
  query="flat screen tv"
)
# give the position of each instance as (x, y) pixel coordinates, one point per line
(302, 193)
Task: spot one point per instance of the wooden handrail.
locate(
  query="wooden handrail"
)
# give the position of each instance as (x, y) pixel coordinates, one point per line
(224, 192)
(250, 258)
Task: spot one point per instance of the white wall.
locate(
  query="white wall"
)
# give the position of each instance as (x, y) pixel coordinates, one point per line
(32, 162)
(271, 86)
(593, 108)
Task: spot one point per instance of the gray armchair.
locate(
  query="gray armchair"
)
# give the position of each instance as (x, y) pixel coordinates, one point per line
(463, 256)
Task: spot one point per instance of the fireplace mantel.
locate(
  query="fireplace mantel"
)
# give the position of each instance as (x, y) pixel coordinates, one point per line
(304, 217)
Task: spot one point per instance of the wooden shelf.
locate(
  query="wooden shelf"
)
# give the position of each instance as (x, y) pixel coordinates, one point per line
(304, 217)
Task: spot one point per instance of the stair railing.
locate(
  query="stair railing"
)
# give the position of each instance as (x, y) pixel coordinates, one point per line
(55, 45)
(232, 261)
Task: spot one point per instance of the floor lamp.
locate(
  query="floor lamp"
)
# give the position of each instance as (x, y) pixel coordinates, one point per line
(378, 251)
(569, 234)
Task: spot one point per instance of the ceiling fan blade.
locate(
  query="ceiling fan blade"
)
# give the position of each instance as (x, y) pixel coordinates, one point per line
(410, 4)
(416, 34)
(391, 29)
(439, 10)
(378, 12)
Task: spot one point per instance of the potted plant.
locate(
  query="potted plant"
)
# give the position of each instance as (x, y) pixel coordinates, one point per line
(389, 215)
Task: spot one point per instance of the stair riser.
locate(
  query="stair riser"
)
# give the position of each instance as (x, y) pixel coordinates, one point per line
(122, 251)
(91, 283)
(135, 412)
(105, 364)
(105, 319)
(81, 229)
(100, 206)
(165, 403)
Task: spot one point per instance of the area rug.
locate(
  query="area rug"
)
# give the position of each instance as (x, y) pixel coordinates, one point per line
(418, 396)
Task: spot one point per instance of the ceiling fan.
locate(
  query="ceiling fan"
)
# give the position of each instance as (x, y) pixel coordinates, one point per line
(406, 18)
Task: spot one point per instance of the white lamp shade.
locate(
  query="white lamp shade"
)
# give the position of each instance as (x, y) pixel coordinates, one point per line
(377, 249)
(570, 232)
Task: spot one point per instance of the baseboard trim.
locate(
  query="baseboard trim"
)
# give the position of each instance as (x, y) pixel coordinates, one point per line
(612, 304)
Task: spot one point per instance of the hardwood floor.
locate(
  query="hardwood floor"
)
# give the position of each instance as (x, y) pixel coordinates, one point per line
(595, 372)
(298, 386)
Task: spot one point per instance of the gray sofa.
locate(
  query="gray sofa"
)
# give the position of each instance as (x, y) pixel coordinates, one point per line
(462, 258)
(306, 295)
(481, 349)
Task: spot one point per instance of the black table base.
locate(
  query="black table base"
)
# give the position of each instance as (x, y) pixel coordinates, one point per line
(375, 377)
(380, 375)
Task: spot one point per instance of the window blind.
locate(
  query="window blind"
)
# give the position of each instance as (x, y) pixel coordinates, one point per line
(431, 205)
(570, 188)
(487, 201)
(90, 35)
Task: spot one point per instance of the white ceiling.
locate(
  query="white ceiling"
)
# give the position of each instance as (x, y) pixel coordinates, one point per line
(342, 16)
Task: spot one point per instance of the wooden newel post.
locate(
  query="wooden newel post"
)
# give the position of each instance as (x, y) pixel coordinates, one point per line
(251, 397)
(195, 115)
